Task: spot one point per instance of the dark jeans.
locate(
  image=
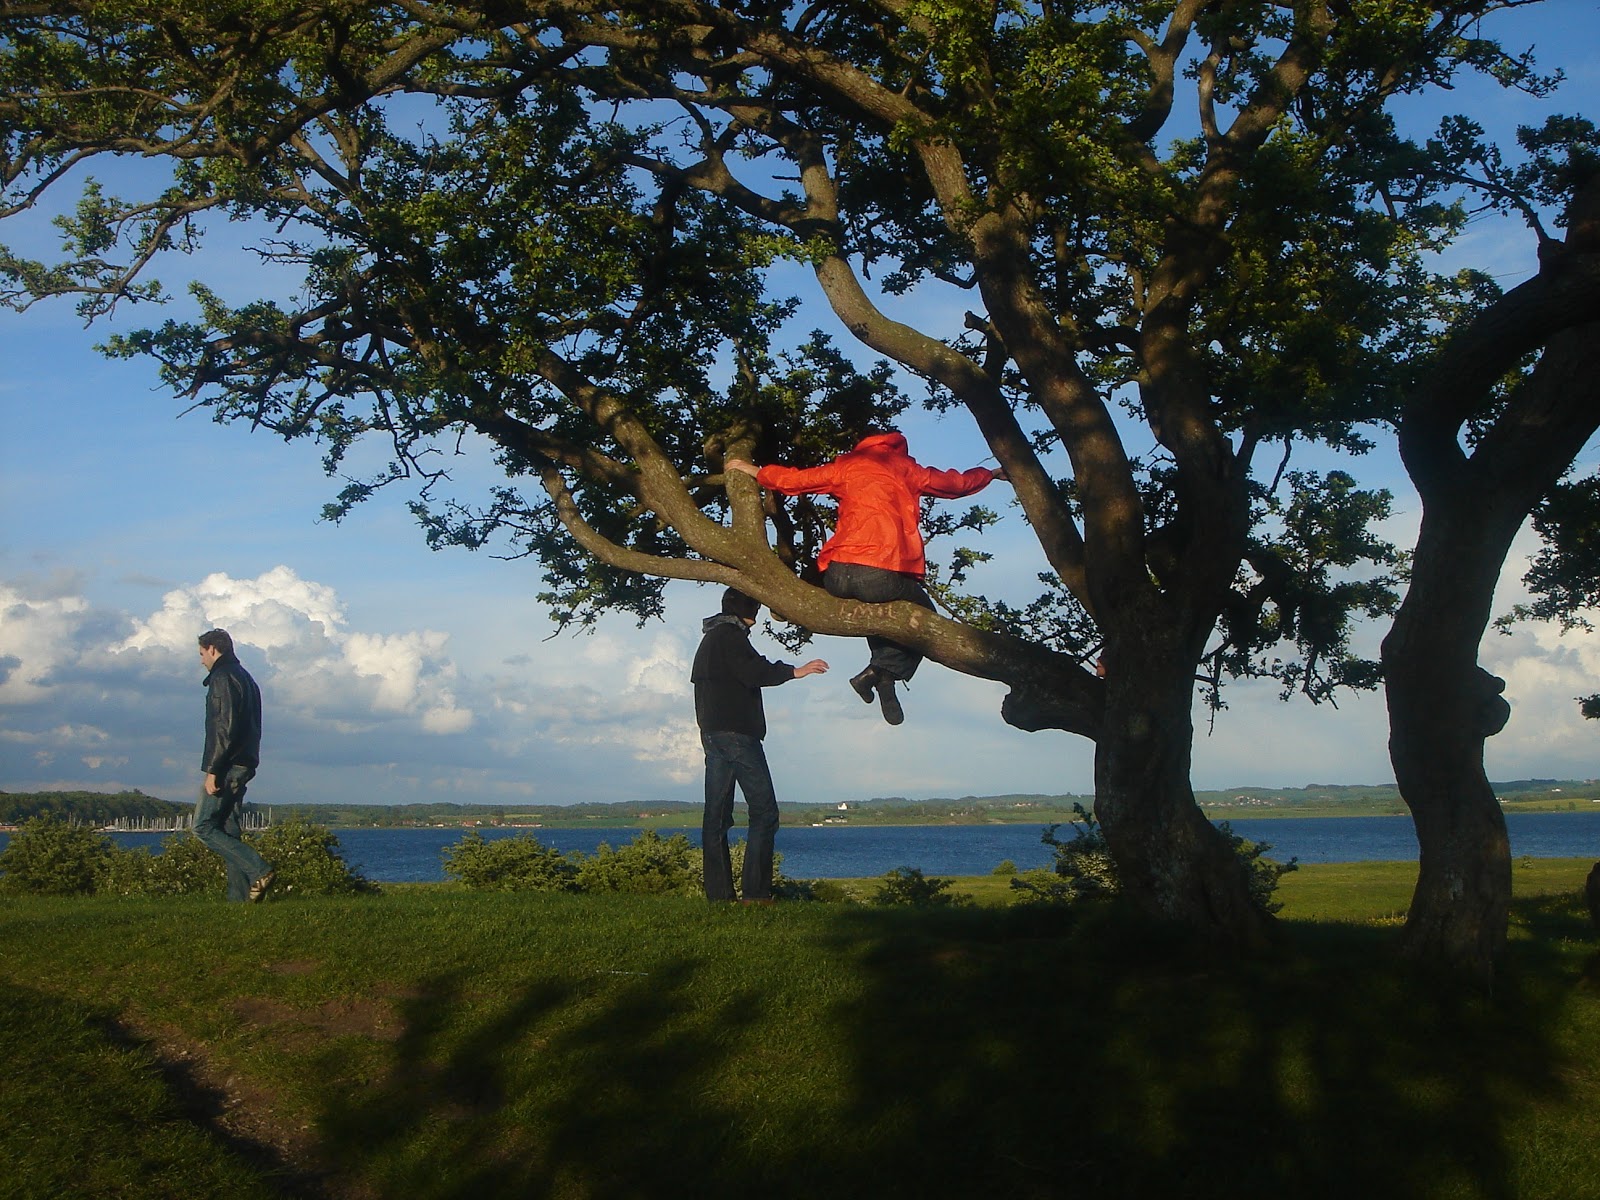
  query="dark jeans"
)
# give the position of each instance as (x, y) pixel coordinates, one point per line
(216, 823)
(852, 581)
(737, 758)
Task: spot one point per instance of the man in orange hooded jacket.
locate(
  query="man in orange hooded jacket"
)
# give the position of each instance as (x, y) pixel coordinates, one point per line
(875, 553)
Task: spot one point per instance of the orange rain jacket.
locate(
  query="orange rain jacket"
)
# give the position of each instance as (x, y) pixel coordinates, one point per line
(879, 487)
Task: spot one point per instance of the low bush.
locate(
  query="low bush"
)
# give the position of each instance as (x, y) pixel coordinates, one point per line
(183, 868)
(1263, 873)
(1085, 870)
(520, 863)
(306, 861)
(828, 891)
(908, 886)
(650, 864)
(47, 856)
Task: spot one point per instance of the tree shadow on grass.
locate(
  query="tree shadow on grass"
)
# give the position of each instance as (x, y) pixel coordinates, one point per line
(572, 1087)
(962, 1053)
(1119, 1063)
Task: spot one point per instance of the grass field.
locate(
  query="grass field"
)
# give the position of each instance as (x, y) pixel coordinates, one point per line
(430, 1042)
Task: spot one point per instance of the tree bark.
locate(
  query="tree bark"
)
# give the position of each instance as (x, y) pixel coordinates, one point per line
(1442, 705)
(1172, 861)
(1442, 708)
(1591, 894)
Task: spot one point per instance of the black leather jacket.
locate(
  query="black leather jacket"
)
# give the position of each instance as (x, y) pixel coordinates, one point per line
(728, 676)
(233, 718)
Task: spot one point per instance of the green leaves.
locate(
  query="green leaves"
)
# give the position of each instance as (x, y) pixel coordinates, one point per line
(1304, 590)
(49, 857)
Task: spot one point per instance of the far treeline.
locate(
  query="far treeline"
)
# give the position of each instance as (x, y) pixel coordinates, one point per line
(105, 808)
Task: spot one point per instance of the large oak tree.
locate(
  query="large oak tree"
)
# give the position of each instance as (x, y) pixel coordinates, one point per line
(1146, 247)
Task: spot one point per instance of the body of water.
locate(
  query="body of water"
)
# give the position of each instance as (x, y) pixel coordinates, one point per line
(864, 851)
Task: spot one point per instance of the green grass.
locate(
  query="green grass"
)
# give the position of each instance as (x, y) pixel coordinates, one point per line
(431, 1042)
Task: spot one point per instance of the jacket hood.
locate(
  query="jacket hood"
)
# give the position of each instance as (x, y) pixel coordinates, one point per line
(892, 442)
(710, 623)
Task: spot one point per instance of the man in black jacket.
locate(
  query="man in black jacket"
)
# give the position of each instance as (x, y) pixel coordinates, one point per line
(230, 758)
(728, 676)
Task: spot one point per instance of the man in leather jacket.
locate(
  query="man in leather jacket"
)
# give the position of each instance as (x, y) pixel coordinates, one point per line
(230, 758)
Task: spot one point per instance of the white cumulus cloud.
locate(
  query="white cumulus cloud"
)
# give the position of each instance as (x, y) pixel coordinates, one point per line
(37, 636)
(314, 662)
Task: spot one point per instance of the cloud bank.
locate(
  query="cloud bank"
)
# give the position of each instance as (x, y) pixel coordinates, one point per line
(99, 699)
(95, 697)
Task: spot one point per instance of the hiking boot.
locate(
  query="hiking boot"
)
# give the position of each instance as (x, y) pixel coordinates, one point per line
(258, 889)
(863, 684)
(889, 702)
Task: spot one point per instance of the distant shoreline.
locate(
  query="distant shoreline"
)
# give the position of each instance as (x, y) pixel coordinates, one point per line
(692, 821)
(131, 809)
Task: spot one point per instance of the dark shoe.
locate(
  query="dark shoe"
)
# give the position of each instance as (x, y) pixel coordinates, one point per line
(258, 889)
(863, 684)
(889, 702)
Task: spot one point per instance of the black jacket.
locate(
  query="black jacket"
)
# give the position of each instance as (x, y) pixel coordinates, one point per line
(233, 718)
(728, 676)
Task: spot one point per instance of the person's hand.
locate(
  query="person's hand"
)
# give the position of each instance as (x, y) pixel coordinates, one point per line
(211, 785)
(815, 667)
(744, 466)
(1000, 474)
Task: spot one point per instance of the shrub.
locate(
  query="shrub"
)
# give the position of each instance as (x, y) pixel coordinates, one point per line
(50, 857)
(828, 891)
(306, 859)
(649, 864)
(1085, 870)
(520, 863)
(183, 868)
(1263, 873)
(1041, 885)
(907, 886)
(47, 856)
(1004, 867)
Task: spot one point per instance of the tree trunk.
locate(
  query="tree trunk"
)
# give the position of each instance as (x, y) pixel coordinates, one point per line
(1591, 893)
(1442, 705)
(1171, 859)
(1462, 900)
(1442, 708)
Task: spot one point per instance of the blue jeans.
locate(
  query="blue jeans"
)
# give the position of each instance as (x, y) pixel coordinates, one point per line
(216, 823)
(875, 585)
(737, 758)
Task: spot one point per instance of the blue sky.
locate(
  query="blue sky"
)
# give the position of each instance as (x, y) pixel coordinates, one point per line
(394, 674)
